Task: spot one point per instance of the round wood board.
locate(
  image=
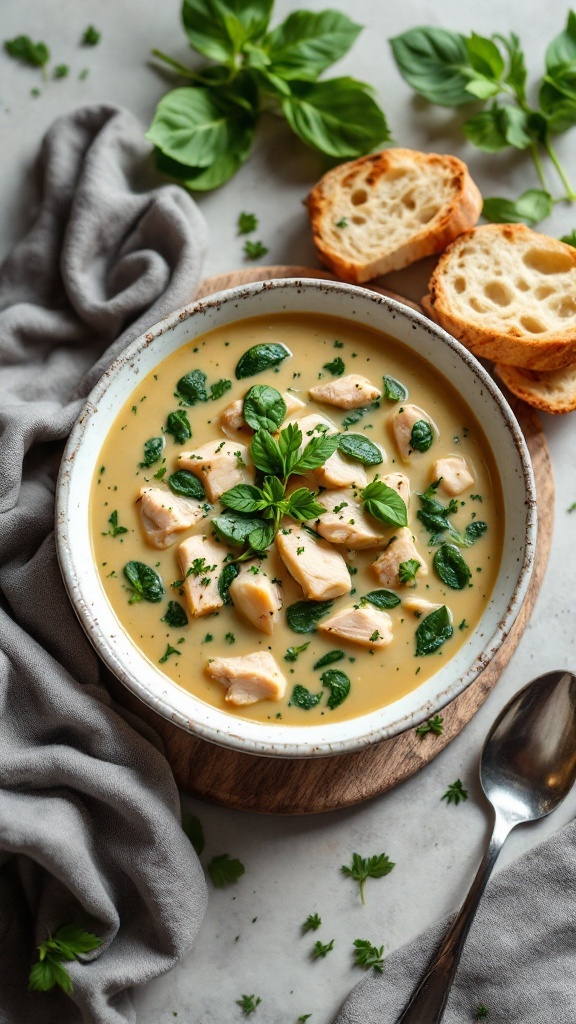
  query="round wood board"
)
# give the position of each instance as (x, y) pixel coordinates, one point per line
(299, 786)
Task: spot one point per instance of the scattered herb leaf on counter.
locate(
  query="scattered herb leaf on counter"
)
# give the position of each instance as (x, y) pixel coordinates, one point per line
(223, 870)
(394, 390)
(339, 685)
(451, 567)
(367, 955)
(455, 793)
(68, 943)
(433, 631)
(381, 599)
(293, 652)
(153, 448)
(530, 208)
(192, 826)
(481, 1012)
(114, 530)
(358, 447)
(572, 507)
(303, 1018)
(175, 615)
(246, 223)
(248, 1004)
(304, 616)
(434, 725)
(145, 582)
(91, 36)
(312, 923)
(367, 867)
(254, 250)
(321, 949)
(303, 698)
(329, 659)
(22, 48)
(61, 71)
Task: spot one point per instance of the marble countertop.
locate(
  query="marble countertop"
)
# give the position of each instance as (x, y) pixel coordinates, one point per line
(251, 939)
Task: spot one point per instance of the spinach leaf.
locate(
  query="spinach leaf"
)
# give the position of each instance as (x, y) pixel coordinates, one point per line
(384, 503)
(185, 483)
(175, 615)
(433, 631)
(477, 528)
(264, 407)
(303, 616)
(145, 582)
(339, 116)
(421, 437)
(358, 447)
(302, 697)
(235, 529)
(339, 684)
(451, 567)
(153, 448)
(178, 425)
(532, 207)
(191, 388)
(260, 358)
(434, 62)
(304, 45)
(336, 367)
(394, 390)
(329, 659)
(433, 514)
(382, 598)
(218, 389)
(226, 577)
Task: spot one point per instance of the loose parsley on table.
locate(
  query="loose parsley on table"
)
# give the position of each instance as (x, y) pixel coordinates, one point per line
(68, 943)
(367, 955)
(312, 923)
(254, 250)
(248, 1004)
(246, 223)
(434, 725)
(367, 867)
(192, 826)
(223, 870)
(455, 793)
(320, 950)
(91, 36)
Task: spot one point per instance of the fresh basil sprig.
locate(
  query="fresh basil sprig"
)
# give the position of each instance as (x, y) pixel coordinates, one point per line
(203, 131)
(384, 503)
(452, 70)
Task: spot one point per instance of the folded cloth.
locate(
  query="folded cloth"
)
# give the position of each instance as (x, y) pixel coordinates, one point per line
(518, 961)
(89, 816)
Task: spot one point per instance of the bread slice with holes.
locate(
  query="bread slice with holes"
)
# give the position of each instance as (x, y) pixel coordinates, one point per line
(385, 211)
(552, 391)
(508, 294)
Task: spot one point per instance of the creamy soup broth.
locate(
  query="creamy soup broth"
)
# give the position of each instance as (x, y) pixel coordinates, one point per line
(378, 676)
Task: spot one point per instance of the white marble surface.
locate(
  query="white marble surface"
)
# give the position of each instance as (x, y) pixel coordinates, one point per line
(292, 864)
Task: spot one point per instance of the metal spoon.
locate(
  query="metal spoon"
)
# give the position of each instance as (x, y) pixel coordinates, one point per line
(527, 768)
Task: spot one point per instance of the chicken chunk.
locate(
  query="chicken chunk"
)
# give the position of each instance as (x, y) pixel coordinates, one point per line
(345, 522)
(164, 515)
(348, 392)
(454, 475)
(256, 597)
(220, 465)
(419, 605)
(201, 562)
(400, 549)
(233, 424)
(318, 568)
(248, 679)
(401, 423)
(368, 627)
(400, 484)
(294, 405)
(337, 471)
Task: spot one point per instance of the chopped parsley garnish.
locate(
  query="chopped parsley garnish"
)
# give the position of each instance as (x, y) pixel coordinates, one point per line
(342, 223)
(407, 570)
(230, 638)
(254, 250)
(336, 367)
(367, 955)
(434, 725)
(223, 870)
(22, 48)
(246, 223)
(312, 923)
(367, 867)
(321, 949)
(68, 943)
(91, 36)
(293, 652)
(455, 793)
(169, 650)
(114, 530)
(248, 1004)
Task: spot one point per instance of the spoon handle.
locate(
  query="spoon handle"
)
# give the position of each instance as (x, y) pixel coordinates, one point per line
(428, 1003)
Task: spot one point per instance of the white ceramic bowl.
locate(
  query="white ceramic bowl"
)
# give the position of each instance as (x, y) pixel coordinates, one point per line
(363, 307)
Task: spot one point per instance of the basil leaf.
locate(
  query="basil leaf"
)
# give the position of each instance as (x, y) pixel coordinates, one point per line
(145, 582)
(302, 505)
(485, 130)
(559, 110)
(516, 74)
(316, 453)
(266, 454)
(358, 447)
(302, 697)
(394, 390)
(303, 616)
(261, 537)
(203, 179)
(338, 116)
(178, 425)
(329, 659)
(191, 388)
(305, 44)
(433, 631)
(434, 62)
(382, 598)
(226, 577)
(569, 239)
(384, 503)
(289, 444)
(185, 483)
(153, 448)
(175, 615)
(532, 207)
(195, 126)
(218, 29)
(235, 529)
(474, 530)
(336, 367)
(421, 437)
(485, 57)
(562, 49)
(243, 498)
(260, 358)
(451, 567)
(482, 88)
(339, 684)
(264, 407)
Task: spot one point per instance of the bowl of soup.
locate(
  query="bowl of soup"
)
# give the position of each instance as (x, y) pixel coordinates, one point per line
(296, 518)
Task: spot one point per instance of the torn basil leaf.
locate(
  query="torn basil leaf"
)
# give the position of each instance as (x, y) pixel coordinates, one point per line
(394, 390)
(227, 576)
(260, 358)
(421, 437)
(175, 615)
(145, 582)
(329, 659)
(382, 598)
(185, 483)
(178, 425)
(235, 529)
(339, 685)
(433, 631)
(358, 447)
(451, 567)
(191, 388)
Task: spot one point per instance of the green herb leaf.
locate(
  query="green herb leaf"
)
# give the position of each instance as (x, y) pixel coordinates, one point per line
(384, 503)
(312, 923)
(254, 250)
(91, 36)
(485, 57)
(266, 453)
(22, 48)
(434, 725)
(261, 537)
(532, 207)
(358, 447)
(435, 63)
(382, 598)
(477, 528)
(264, 407)
(394, 390)
(246, 223)
(228, 574)
(338, 116)
(235, 529)
(569, 239)
(293, 652)
(482, 1012)
(192, 827)
(191, 388)
(306, 43)
(145, 582)
(302, 506)
(336, 367)
(69, 942)
(178, 425)
(169, 650)
(370, 867)
(302, 698)
(367, 955)
(114, 530)
(185, 483)
(223, 870)
(260, 358)
(321, 949)
(244, 498)
(329, 659)
(304, 616)
(48, 973)
(248, 1004)
(153, 448)
(316, 453)
(421, 437)
(433, 631)
(339, 685)
(407, 570)
(220, 30)
(219, 389)
(175, 615)
(455, 793)
(451, 567)
(195, 126)
(562, 49)
(203, 179)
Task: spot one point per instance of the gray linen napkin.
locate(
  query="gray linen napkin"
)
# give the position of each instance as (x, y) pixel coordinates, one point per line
(520, 957)
(89, 813)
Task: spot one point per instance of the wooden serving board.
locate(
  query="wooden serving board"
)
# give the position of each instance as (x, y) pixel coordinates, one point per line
(297, 786)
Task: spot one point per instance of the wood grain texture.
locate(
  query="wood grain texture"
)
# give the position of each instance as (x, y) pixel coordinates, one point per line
(289, 786)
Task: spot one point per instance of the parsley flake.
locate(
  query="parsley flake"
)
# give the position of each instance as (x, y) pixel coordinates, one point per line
(367, 955)
(223, 870)
(254, 250)
(455, 793)
(321, 949)
(248, 1004)
(434, 725)
(312, 923)
(367, 867)
(246, 223)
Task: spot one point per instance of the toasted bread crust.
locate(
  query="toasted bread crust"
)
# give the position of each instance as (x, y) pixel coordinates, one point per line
(448, 204)
(552, 391)
(509, 295)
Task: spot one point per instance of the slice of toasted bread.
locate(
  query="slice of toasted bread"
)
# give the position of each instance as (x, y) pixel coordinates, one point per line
(384, 211)
(508, 294)
(552, 391)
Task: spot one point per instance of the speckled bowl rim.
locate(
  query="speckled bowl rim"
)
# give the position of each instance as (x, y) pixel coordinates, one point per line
(143, 678)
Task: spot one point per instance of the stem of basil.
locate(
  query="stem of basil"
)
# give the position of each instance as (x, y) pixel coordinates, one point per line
(570, 194)
(538, 164)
